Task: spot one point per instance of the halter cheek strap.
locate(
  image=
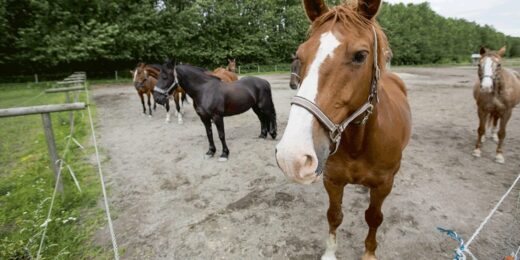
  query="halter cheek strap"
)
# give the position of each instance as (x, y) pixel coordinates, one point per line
(174, 84)
(335, 130)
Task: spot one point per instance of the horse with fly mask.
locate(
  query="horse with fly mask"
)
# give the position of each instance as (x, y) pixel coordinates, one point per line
(213, 99)
(350, 119)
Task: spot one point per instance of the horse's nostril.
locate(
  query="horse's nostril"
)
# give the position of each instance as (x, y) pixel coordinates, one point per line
(307, 161)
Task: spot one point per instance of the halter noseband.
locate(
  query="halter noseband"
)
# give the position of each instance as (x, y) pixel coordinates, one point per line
(335, 130)
(174, 84)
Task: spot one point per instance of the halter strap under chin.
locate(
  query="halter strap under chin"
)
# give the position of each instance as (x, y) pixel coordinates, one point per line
(335, 130)
(175, 83)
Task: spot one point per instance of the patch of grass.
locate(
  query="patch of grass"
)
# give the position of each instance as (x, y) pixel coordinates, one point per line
(27, 182)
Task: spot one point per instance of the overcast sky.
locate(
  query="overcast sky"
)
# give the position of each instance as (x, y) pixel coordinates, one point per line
(504, 15)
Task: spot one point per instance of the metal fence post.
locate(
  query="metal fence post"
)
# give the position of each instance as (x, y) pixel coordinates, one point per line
(258, 68)
(35, 78)
(51, 145)
(116, 74)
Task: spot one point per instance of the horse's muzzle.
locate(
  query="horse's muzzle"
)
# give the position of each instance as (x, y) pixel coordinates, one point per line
(160, 98)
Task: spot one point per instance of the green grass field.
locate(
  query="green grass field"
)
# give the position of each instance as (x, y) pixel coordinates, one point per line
(27, 182)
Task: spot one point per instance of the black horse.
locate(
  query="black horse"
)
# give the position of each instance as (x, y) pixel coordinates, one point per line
(213, 99)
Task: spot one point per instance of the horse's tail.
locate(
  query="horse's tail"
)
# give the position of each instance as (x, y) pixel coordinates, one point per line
(273, 127)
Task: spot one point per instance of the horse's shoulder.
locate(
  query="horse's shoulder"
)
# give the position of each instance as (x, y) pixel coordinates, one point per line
(392, 81)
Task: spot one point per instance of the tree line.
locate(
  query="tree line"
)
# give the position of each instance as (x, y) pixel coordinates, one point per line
(103, 35)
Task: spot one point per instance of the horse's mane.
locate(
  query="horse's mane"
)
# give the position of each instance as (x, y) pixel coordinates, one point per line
(203, 71)
(348, 15)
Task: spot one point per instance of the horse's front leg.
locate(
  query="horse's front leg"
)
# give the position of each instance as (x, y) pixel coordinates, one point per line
(334, 216)
(482, 116)
(374, 217)
(501, 136)
(219, 122)
(142, 102)
(167, 107)
(148, 94)
(211, 151)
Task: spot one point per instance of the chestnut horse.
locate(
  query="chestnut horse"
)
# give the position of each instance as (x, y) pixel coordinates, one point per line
(350, 118)
(145, 78)
(497, 92)
(227, 74)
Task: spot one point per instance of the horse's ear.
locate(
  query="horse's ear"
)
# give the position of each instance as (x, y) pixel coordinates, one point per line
(483, 50)
(315, 8)
(293, 56)
(502, 51)
(369, 8)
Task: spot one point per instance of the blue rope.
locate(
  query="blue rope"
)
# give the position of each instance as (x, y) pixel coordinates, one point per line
(459, 252)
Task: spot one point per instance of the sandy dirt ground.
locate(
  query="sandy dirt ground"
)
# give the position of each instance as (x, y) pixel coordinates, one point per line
(171, 203)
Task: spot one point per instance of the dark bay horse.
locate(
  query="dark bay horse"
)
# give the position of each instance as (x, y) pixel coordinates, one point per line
(350, 119)
(213, 99)
(497, 92)
(147, 74)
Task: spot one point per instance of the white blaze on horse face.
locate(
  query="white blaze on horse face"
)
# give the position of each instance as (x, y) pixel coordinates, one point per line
(487, 81)
(295, 152)
(135, 75)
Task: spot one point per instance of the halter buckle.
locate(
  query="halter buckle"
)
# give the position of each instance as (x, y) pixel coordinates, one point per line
(335, 136)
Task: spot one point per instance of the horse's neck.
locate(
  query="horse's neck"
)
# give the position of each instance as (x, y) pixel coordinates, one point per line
(153, 72)
(195, 85)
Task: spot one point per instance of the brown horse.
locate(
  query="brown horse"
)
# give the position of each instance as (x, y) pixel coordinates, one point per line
(143, 86)
(497, 92)
(232, 65)
(145, 77)
(350, 118)
(227, 74)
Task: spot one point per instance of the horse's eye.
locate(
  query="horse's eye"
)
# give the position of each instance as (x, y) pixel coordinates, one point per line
(360, 57)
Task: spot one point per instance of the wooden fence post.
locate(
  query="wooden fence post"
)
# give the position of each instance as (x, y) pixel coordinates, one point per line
(51, 146)
(35, 78)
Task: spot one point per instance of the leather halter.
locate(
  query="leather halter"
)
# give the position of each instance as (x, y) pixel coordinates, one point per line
(335, 130)
(173, 85)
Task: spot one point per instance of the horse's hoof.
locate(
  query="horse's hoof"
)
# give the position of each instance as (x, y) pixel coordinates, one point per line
(208, 156)
(495, 138)
(483, 139)
(500, 158)
(477, 153)
(150, 116)
(167, 121)
(368, 256)
(328, 256)
(262, 136)
(222, 159)
(273, 136)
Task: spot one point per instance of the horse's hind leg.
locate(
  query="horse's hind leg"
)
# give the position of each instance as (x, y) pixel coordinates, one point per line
(334, 216)
(219, 122)
(494, 130)
(374, 217)
(482, 116)
(502, 135)
(263, 122)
